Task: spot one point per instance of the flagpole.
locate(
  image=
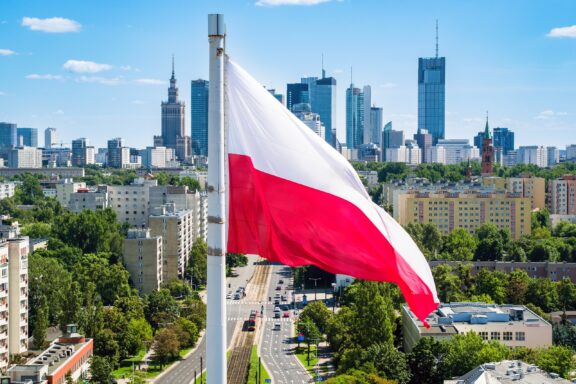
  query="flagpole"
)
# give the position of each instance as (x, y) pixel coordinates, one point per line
(216, 321)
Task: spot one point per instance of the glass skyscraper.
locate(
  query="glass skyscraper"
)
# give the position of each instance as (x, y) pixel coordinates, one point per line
(8, 138)
(29, 136)
(199, 117)
(324, 104)
(431, 96)
(354, 117)
(296, 93)
(503, 138)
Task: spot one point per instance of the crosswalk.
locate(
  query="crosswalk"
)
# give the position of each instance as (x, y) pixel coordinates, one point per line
(271, 319)
(242, 302)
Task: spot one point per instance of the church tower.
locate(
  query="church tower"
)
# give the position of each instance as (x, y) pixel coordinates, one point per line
(487, 151)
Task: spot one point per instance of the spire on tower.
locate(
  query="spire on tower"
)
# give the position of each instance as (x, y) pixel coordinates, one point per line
(351, 82)
(323, 71)
(487, 128)
(436, 38)
(172, 65)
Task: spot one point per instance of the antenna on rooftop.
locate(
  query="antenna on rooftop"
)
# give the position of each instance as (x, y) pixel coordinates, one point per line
(436, 38)
(323, 71)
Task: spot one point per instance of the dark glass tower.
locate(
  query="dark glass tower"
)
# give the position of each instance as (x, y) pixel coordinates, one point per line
(199, 117)
(296, 93)
(354, 117)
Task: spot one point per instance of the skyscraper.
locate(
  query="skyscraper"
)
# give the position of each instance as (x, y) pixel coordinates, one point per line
(503, 138)
(324, 104)
(117, 154)
(8, 137)
(50, 137)
(354, 117)
(199, 117)
(385, 139)
(172, 115)
(82, 153)
(367, 135)
(376, 123)
(431, 94)
(27, 137)
(424, 140)
(296, 93)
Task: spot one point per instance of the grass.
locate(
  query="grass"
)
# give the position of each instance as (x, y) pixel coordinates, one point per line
(254, 368)
(302, 355)
(154, 370)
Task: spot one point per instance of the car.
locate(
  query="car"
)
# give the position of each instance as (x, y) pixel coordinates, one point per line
(277, 295)
(277, 309)
(229, 295)
(276, 315)
(281, 281)
(278, 288)
(284, 298)
(237, 296)
(286, 314)
(277, 327)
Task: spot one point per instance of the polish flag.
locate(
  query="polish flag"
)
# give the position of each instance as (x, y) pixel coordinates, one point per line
(295, 200)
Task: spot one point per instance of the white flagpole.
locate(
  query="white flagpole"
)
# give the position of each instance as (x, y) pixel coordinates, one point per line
(216, 321)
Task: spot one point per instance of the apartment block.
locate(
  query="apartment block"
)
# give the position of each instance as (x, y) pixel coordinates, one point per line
(511, 325)
(131, 202)
(18, 295)
(533, 188)
(4, 257)
(176, 229)
(68, 355)
(65, 188)
(143, 259)
(91, 199)
(562, 193)
(7, 190)
(25, 157)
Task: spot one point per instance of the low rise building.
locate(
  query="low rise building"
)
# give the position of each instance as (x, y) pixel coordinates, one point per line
(508, 371)
(65, 187)
(143, 259)
(511, 325)
(7, 190)
(69, 355)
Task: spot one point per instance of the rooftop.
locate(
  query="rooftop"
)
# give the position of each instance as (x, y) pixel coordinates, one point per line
(508, 371)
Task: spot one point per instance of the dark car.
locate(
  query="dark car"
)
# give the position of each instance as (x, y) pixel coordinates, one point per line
(278, 288)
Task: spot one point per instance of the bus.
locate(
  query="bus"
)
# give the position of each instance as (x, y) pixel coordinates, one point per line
(252, 320)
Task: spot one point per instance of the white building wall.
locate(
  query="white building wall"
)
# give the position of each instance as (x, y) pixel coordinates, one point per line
(4, 257)
(18, 295)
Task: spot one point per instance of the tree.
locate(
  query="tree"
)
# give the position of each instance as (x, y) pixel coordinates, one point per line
(492, 284)
(139, 332)
(186, 331)
(71, 307)
(29, 191)
(461, 355)
(100, 370)
(458, 245)
(161, 306)
(543, 294)
(41, 325)
(131, 306)
(178, 288)
(194, 310)
(492, 243)
(318, 313)
(557, 359)
(37, 230)
(105, 345)
(541, 219)
(235, 260)
(197, 262)
(166, 345)
(517, 288)
(425, 361)
(566, 294)
(447, 284)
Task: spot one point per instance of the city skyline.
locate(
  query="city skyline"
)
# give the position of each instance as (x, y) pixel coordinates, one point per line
(93, 73)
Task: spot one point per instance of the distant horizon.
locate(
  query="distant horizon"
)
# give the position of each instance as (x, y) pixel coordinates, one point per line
(102, 73)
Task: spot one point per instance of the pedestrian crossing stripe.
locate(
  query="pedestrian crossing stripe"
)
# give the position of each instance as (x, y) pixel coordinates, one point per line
(253, 302)
(270, 319)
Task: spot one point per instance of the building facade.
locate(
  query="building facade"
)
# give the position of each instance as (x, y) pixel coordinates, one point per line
(25, 157)
(7, 190)
(531, 187)
(532, 154)
(89, 199)
(82, 152)
(324, 104)
(199, 117)
(18, 295)
(458, 150)
(503, 138)
(143, 259)
(377, 124)
(432, 96)
(424, 140)
(312, 120)
(117, 155)
(131, 202)
(562, 193)
(8, 136)
(27, 137)
(173, 123)
(354, 117)
(50, 138)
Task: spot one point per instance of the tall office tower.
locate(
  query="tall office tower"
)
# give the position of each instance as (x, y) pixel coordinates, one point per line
(117, 154)
(424, 140)
(354, 117)
(8, 137)
(296, 93)
(310, 119)
(27, 137)
(479, 140)
(277, 96)
(376, 123)
(82, 153)
(172, 115)
(199, 117)
(553, 156)
(324, 104)
(385, 139)
(503, 138)
(487, 151)
(431, 94)
(50, 137)
(367, 135)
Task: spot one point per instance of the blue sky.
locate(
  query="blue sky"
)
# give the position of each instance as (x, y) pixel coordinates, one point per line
(99, 69)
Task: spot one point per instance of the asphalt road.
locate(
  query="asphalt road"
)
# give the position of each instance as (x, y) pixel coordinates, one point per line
(275, 346)
(183, 371)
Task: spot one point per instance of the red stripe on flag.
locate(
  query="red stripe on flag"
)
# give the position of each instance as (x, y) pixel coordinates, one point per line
(283, 221)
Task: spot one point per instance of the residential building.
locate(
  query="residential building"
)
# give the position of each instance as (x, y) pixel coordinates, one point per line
(555, 219)
(65, 188)
(436, 154)
(431, 96)
(424, 140)
(131, 202)
(18, 295)
(4, 287)
(157, 157)
(531, 187)
(172, 116)
(503, 138)
(532, 154)
(82, 153)
(508, 371)
(7, 189)
(354, 117)
(511, 325)
(50, 138)
(552, 156)
(176, 229)
(69, 355)
(303, 111)
(413, 152)
(91, 199)
(396, 154)
(27, 137)
(458, 150)
(562, 193)
(118, 155)
(25, 157)
(199, 117)
(46, 172)
(142, 257)
(376, 124)
(466, 208)
(8, 136)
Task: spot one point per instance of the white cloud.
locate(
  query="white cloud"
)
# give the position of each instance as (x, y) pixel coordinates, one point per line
(51, 25)
(273, 3)
(388, 85)
(150, 81)
(129, 68)
(35, 76)
(6, 52)
(569, 32)
(2, 93)
(100, 80)
(549, 114)
(82, 66)
(58, 112)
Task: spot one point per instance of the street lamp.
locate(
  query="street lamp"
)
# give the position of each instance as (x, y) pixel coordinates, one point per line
(315, 280)
(333, 297)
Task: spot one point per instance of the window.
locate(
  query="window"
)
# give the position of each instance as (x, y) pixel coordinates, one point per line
(507, 336)
(520, 336)
(495, 335)
(483, 335)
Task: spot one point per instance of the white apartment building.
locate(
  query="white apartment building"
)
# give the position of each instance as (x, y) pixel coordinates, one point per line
(7, 190)
(143, 255)
(65, 188)
(4, 257)
(531, 187)
(458, 150)
(131, 202)
(18, 295)
(25, 157)
(436, 154)
(511, 325)
(157, 157)
(532, 154)
(396, 155)
(562, 194)
(91, 199)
